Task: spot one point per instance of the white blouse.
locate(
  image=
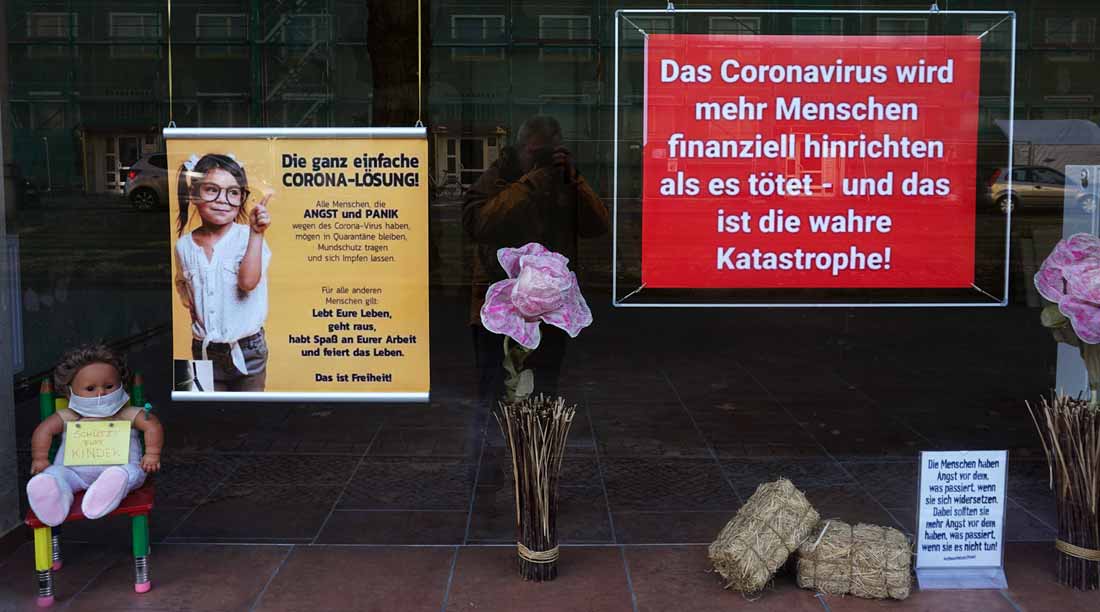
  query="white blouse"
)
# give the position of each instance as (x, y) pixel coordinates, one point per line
(228, 313)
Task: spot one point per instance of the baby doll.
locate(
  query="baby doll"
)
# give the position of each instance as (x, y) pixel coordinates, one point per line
(93, 378)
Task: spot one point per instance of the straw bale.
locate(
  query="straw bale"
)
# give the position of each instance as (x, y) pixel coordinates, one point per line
(763, 534)
(866, 561)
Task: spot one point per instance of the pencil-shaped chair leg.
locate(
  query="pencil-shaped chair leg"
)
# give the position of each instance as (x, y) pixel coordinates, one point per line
(43, 561)
(140, 528)
(56, 556)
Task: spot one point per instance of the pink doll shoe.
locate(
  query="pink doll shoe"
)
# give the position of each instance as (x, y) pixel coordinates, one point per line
(105, 493)
(48, 499)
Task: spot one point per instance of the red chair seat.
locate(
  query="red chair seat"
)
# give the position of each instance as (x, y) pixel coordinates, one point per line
(138, 502)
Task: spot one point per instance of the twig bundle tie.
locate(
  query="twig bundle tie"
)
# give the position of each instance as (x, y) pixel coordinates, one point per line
(537, 556)
(1088, 554)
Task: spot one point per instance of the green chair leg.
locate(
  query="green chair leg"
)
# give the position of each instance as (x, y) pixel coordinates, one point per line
(137, 395)
(140, 528)
(45, 400)
(45, 409)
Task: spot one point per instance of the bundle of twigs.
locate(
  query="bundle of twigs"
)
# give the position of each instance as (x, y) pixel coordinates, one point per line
(1070, 431)
(535, 430)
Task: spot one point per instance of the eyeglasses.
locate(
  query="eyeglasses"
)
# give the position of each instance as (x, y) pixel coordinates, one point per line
(210, 192)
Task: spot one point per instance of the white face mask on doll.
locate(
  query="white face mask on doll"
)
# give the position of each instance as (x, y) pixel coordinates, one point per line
(100, 405)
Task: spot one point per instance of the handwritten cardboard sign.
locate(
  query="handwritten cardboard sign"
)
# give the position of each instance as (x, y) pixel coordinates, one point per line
(97, 443)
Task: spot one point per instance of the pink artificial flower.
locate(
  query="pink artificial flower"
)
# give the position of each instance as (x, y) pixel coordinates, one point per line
(539, 288)
(1070, 277)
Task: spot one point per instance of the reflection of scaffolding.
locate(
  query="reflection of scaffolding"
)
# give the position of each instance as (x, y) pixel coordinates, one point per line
(297, 67)
(495, 65)
(43, 112)
(81, 71)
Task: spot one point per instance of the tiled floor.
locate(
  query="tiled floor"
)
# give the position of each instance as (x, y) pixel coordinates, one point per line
(597, 578)
(379, 507)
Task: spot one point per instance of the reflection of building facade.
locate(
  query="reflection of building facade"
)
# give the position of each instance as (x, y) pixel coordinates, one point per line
(90, 79)
(495, 64)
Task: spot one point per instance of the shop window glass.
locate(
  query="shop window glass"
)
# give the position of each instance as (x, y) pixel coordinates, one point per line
(469, 29)
(20, 114)
(560, 30)
(304, 30)
(1069, 31)
(1086, 112)
(132, 28)
(49, 115)
(51, 27)
(306, 40)
(223, 113)
(733, 24)
(996, 37)
(210, 28)
(633, 41)
(306, 111)
(902, 25)
(818, 25)
(650, 25)
(1047, 176)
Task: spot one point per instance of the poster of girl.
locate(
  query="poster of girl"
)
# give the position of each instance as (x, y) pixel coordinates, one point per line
(221, 270)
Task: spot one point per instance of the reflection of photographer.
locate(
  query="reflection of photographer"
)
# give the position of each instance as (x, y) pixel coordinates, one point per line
(533, 193)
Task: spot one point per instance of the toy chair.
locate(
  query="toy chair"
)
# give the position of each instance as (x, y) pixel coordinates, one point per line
(136, 505)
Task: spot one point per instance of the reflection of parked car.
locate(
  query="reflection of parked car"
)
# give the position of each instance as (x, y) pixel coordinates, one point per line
(147, 182)
(1036, 189)
(984, 182)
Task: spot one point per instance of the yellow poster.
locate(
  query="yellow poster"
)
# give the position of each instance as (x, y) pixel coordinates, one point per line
(97, 443)
(300, 264)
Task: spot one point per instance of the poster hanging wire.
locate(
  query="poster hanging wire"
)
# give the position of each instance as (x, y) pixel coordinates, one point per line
(632, 293)
(171, 98)
(988, 294)
(636, 27)
(419, 63)
(994, 26)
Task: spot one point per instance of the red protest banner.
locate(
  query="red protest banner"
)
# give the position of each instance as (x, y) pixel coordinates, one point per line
(809, 161)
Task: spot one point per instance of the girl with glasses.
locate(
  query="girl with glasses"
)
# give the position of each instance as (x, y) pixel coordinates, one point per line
(221, 270)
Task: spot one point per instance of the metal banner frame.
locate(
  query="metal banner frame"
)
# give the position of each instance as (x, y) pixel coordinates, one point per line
(641, 297)
(381, 133)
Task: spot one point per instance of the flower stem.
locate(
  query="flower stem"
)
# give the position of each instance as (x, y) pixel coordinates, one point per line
(514, 356)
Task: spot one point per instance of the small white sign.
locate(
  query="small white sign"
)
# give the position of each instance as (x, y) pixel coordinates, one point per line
(961, 519)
